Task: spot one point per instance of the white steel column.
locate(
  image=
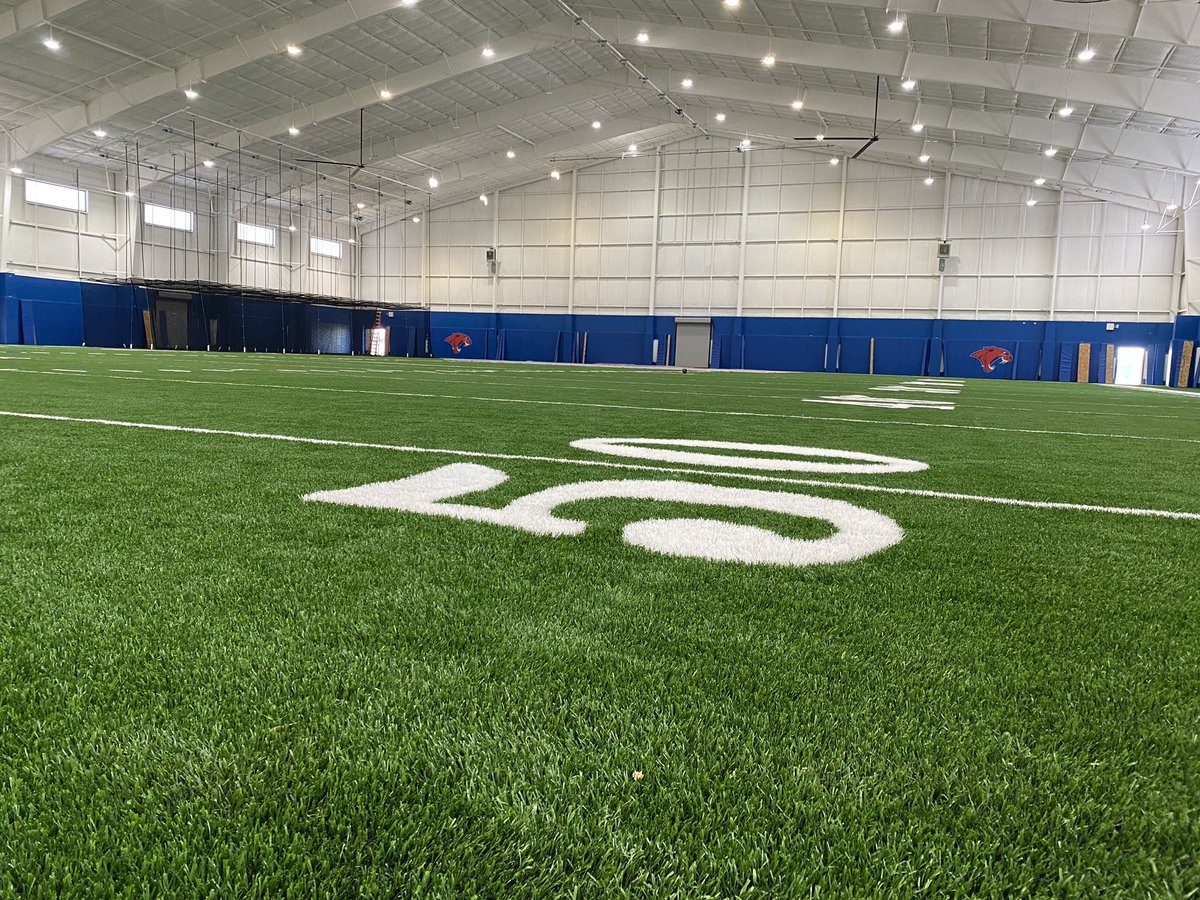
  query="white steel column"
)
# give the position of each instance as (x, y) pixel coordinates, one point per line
(496, 247)
(941, 293)
(744, 228)
(425, 298)
(5, 220)
(571, 252)
(654, 230)
(1057, 254)
(1190, 296)
(837, 275)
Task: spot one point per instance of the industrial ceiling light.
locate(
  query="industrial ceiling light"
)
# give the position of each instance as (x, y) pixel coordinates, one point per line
(732, 4)
(361, 205)
(488, 52)
(1039, 181)
(385, 94)
(929, 181)
(923, 158)
(720, 117)
(555, 174)
(908, 84)
(433, 181)
(293, 50)
(687, 82)
(642, 37)
(797, 105)
(511, 154)
(769, 60)
(17, 170)
(51, 43)
(820, 137)
(191, 93)
(416, 220)
(291, 228)
(918, 127)
(595, 123)
(896, 25)
(833, 161)
(1066, 111)
(100, 132)
(745, 144)
(1145, 226)
(208, 164)
(1087, 54)
(1171, 207)
(483, 198)
(633, 148)
(1051, 151)
(293, 131)
(1031, 202)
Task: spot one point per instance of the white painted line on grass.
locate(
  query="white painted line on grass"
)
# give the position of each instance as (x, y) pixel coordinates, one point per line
(70, 371)
(593, 463)
(1174, 392)
(128, 371)
(656, 409)
(177, 371)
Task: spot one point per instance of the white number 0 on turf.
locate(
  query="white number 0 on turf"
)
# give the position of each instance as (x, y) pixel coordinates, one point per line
(860, 532)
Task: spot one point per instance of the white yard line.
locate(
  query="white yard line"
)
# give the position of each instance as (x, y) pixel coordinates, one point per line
(1174, 392)
(657, 409)
(591, 463)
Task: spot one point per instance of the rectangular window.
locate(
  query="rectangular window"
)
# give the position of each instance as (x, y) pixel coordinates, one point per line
(256, 234)
(320, 247)
(43, 193)
(166, 217)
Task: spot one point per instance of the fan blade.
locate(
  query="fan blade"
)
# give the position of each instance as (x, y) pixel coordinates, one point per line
(826, 140)
(865, 147)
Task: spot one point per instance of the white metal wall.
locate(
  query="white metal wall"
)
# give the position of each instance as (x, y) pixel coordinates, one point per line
(111, 238)
(698, 229)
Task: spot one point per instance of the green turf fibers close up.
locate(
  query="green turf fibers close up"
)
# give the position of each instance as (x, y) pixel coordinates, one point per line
(212, 688)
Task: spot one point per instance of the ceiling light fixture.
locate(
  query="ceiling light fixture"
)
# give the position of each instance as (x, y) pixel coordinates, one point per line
(642, 37)
(511, 154)
(293, 50)
(17, 170)
(100, 132)
(291, 228)
(208, 164)
(385, 94)
(361, 205)
(797, 105)
(488, 52)
(923, 158)
(1171, 207)
(1031, 202)
(595, 123)
(908, 84)
(1051, 151)
(1087, 54)
(720, 117)
(51, 43)
(820, 137)
(745, 144)
(1145, 226)
(293, 131)
(1039, 181)
(732, 4)
(896, 25)
(833, 161)
(633, 148)
(687, 82)
(1066, 111)
(483, 198)
(433, 181)
(191, 93)
(769, 60)
(129, 193)
(555, 174)
(918, 127)
(416, 220)
(929, 181)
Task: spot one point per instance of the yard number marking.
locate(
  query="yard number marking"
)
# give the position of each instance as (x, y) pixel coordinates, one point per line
(859, 532)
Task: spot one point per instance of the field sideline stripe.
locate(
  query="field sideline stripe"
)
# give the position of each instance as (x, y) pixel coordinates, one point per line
(604, 464)
(1174, 392)
(660, 409)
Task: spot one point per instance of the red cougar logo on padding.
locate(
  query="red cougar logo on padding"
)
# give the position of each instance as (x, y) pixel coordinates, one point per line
(458, 340)
(990, 357)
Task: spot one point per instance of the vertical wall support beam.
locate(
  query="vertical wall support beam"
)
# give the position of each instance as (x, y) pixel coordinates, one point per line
(496, 247)
(425, 296)
(744, 234)
(841, 240)
(571, 252)
(1056, 256)
(658, 161)
(5, 220)
(942, 263)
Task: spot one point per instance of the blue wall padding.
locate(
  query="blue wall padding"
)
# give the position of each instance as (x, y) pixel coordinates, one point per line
(111, 316)
(794, 353)
(900, 356)
(51, 311)
(619, 349)
(535, 346)
(855, 355)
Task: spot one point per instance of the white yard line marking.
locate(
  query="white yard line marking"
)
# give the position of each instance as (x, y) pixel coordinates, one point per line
(1174, 392)
(128, 371)
(660, 409)
(602, 464)
(177, 371)
(71, 371)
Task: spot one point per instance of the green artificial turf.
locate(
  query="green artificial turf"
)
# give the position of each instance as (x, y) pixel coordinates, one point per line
(211, 688)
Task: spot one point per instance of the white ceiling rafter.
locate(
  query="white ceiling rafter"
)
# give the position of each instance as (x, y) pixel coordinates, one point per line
(38, 135)
(32, 14)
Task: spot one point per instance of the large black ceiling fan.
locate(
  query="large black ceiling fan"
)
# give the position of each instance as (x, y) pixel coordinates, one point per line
(871, 141)
(353, 166)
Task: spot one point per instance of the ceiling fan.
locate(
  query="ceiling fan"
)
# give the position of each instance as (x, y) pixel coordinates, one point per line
(871, 141)
(355, 167)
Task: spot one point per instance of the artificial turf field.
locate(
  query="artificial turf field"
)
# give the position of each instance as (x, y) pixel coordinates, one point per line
(210, 686)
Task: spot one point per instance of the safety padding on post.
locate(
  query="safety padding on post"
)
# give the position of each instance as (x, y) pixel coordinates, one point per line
(1084, 363)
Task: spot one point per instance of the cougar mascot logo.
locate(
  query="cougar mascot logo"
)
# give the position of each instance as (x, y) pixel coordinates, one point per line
(457, 341)
(990, 357)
